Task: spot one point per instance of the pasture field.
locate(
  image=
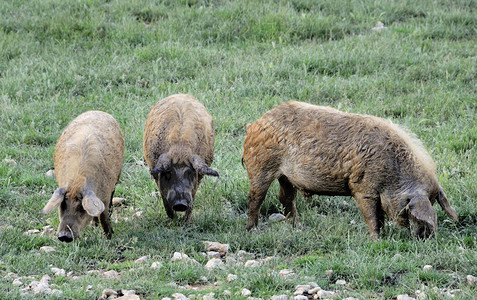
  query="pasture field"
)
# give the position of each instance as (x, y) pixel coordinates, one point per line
(418, 67)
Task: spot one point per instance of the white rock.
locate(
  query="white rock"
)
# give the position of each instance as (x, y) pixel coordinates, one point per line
(286, 272)
(404, 297)
(141, 260)
(279, 297)
(89, 287)
(231, 277)
(32, 231)
(302, 287)
(352, 222)
(47, 249)
(111, 274)
(179, 256)
(252, 263)
(48, 231)
(156, 265)
(227, 293)
(118, 201)
(379, 26)
(341, 282)
(128, 292)
(217, 247)
(58, 271)
(471, 279)
(314, 290)
(138, 214)
(179, 296)
(329, 272)
(50, 173)
(10, 161)
(214, 263)
(17, 282)
(108, 292)
(427, 268)
(129, 297)
(166, 298)
(276, 217)
(246, 293)
(300, 297)
(324, 294)
(93, 272)
(350, 298)
(209, 296)
(241, 253)
(214, 254)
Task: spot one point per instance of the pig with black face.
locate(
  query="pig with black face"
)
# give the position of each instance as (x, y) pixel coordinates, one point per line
(179, 149)
(88, 160)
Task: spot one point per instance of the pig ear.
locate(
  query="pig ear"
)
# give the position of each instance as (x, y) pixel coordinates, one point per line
(163, 163)
(92, 204)
(420, 208)
(201, 167)
(444, 203)
(55, 200)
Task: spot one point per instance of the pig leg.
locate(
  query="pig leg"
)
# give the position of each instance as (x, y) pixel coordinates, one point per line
(372, 212)
(258, 191)
(287, 198)
(104, 219)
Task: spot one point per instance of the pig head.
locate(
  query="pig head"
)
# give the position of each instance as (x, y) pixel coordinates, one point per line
(178, 182)
(76, 211)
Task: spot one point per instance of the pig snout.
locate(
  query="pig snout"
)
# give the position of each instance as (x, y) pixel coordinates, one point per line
(180, 205)
(179, 200)
(65, 236)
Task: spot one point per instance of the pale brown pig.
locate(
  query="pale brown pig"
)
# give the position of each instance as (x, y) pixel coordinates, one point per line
(320, 150)
(179, 149)
(88, 160)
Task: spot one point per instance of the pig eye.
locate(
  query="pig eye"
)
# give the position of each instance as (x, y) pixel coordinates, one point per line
(166, 175)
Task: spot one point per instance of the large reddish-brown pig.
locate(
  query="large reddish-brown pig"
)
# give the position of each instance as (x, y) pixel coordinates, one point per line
(88, 161)
(320, 150)
(179, 149)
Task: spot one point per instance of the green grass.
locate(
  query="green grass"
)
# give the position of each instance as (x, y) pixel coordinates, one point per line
(240, 58)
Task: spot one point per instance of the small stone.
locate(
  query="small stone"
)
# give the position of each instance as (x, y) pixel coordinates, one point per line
(32, 231)
(304, 287)
(341, 282)
(427, 268)
(93, 272)
(89, 287)
(276, 217)
(286, 272)
(50, 173)
(397, 256)
(179, 256)
(252, 263)
(329, 272)
(111, 274)
(138, 214)
(118, 201)
(279, 297)
(179, 296)
(404, 297)
(107, 293)
(47, 249)
(314, 290)
(246, 293)
(209, 296)
(227, 293)
(140, 163)
(214, 254)
(156, 265)
(10, 161)
(217, 247)
(300, 297)
(214, 263)
(141, 260)
(231, 277)
(17, 282)
(350, 298)
(379, 26)
(352, 222)
(242, 253)
(58, 271)
(48, 231)
(129, 297)
(324, 294)
(472, 280)
(128, 292)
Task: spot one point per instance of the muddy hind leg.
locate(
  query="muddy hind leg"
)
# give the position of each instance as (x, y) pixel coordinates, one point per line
(104, 219)
(287, 198)
(373, 213)
(258, 191)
